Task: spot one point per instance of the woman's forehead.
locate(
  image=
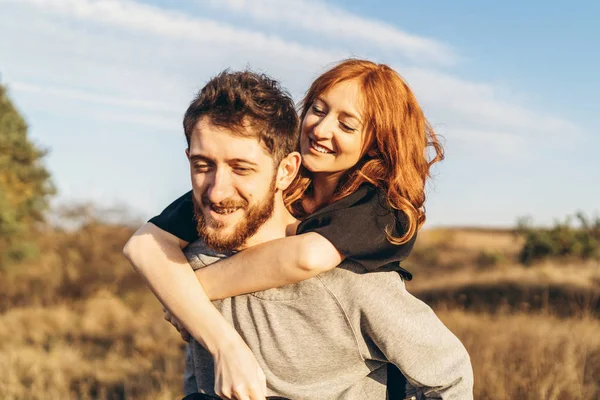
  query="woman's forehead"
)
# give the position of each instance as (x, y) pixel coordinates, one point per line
(346, 95)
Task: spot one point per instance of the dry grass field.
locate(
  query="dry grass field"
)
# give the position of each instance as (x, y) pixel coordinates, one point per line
(77, 323)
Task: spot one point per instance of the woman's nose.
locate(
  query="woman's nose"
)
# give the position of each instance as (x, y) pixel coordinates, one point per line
(324, 129)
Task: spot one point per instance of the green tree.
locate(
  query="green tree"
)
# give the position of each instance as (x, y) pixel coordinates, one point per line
(25, 185)
(563, 240)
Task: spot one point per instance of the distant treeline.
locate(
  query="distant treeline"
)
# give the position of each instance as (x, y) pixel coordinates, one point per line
(563, 240)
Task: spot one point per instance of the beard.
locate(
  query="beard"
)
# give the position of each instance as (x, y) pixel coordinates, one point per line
(255, 216)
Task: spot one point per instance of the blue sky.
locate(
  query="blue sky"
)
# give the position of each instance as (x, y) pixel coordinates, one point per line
(511, 87)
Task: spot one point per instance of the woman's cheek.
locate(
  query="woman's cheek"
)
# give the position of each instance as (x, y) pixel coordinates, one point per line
(350, 148)
(308, 123)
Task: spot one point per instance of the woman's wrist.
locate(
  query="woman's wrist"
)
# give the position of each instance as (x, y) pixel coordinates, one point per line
(225, 345)
(220, 338)
(205, 279)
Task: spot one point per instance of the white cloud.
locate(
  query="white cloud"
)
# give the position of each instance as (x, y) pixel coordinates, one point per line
(90, 97)
(332, 22)
(133, 49)
(142, 52)
(134, 16)
(115, 76)
(484, 105)
(145, 67)
(501, 143)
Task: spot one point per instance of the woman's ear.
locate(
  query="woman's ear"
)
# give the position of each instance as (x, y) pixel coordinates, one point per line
(288, 168)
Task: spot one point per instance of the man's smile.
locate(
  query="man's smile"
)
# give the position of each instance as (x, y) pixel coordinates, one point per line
(221, 214)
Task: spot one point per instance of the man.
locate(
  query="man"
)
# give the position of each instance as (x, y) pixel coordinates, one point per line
(328, 337)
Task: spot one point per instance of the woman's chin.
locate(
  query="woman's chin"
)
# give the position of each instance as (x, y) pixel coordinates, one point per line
(312, 165)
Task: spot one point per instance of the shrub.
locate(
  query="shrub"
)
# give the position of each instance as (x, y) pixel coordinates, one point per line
(487, 259)
(562, 240)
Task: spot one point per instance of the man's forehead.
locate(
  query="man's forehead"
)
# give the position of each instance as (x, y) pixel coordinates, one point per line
(211, 140)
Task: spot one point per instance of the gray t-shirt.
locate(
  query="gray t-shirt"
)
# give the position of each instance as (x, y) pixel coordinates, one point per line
(331, 337)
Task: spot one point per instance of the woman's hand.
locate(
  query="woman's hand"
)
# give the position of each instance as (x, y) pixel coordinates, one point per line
(237, 373)
(185, 335)
(171, 278)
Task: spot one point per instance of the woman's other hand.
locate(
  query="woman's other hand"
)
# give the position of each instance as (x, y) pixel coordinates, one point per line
(175, 322)
(237, 373)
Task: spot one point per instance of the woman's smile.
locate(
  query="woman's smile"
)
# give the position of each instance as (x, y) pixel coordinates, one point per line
(319, 148)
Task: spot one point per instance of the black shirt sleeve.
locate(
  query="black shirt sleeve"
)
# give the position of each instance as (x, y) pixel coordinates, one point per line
(356, 225)
(178, 218)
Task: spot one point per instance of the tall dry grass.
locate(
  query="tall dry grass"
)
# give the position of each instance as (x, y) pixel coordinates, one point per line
(455, 248)
(525, 356)
(79, 324)
(98, 348)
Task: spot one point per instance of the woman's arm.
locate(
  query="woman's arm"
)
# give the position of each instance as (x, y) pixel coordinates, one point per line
(268, 265)
(157, 256)
(353, 227)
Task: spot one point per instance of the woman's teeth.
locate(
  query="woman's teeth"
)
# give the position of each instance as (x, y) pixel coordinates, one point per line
(318, 148)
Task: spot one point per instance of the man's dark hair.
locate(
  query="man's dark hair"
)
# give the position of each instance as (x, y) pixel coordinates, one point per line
(250, 104)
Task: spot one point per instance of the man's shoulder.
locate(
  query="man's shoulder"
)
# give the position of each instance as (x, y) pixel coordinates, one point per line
(353, 283)
(199, 255)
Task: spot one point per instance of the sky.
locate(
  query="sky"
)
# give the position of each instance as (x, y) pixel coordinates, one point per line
(511, 87)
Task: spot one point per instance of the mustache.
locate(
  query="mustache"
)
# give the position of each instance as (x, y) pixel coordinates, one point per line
(225, 203)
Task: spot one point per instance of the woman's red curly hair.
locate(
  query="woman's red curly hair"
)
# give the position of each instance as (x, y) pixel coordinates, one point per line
(399, 145)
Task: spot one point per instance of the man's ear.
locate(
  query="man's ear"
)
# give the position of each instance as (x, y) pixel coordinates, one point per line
(287, 170)
(187, 153)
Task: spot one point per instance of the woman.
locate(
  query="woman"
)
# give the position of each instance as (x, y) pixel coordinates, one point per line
(360, 191)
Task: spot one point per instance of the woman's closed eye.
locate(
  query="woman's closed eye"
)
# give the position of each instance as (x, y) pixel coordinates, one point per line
(347, 127)
(317, 110)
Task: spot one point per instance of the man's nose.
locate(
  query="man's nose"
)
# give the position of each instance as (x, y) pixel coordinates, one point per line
(220, 187)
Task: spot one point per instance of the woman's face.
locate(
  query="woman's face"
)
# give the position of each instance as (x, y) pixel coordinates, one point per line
(332, 131)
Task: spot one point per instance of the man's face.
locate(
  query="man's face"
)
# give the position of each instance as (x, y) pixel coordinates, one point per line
(233, 180)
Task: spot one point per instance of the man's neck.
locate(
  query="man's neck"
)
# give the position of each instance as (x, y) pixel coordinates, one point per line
(280, 225)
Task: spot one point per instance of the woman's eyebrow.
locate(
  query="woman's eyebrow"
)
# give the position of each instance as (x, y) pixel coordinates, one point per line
(351, 115)
(345, 113)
